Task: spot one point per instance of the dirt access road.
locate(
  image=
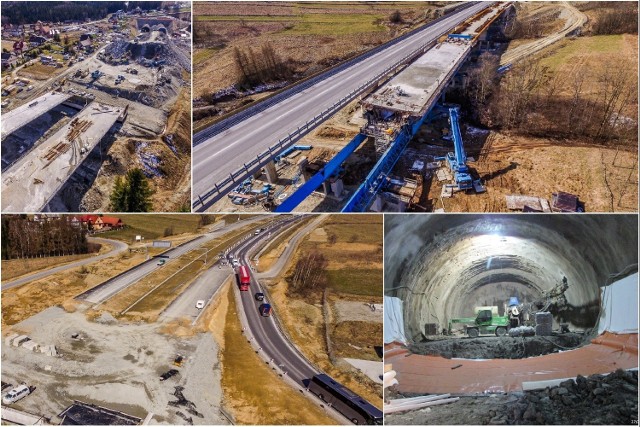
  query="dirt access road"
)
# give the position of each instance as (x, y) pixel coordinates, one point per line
(118, 247)
(574, 19)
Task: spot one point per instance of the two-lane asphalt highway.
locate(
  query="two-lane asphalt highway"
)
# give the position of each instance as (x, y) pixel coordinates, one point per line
(209, 282)
(217, 157)
(107, 289)
(265, 330)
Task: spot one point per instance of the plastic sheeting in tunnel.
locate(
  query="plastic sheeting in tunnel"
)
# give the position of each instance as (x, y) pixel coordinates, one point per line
(619, 312)
(393, 321)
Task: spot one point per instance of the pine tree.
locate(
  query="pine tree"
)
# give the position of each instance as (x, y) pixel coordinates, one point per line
(133, 194)
(119, 196)
(139, 196)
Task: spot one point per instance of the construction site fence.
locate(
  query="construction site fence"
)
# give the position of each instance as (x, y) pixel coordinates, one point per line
(203, 201)
(253, 109)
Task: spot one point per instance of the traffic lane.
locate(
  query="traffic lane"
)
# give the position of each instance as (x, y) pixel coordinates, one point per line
(102, 293)
(118, 247)
(204, 288)
(271, 125)
(340, 82)
(205, 285)
(267, 334)
(283, 259)
(114, 286)
(271, 342)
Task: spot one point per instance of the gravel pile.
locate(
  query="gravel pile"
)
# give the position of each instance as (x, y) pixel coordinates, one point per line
(498, 347)
(598, 399)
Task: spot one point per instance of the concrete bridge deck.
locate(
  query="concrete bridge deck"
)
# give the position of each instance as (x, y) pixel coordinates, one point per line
(32, 181)
(22, 115)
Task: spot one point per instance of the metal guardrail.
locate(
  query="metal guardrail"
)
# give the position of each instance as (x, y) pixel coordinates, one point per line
(221, 126)
(203, 201)
(263, 158)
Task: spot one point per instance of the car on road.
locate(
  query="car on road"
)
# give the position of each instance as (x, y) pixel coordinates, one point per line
(259, 296)
(265, 310)
(161, 262)
(236, 263)
(200, 304)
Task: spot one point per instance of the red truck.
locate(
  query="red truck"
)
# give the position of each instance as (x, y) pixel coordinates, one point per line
(245, 278)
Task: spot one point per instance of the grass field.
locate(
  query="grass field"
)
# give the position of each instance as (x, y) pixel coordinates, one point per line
(201, 55)
(365, 335)
(590, 49)
(356, 281)
(353, 248)
(312, 23)
(153, 226)
(18, 267)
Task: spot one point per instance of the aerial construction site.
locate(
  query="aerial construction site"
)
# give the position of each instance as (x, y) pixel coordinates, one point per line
(429, 107)
(192, 319)
(89, 104)
(511, 319)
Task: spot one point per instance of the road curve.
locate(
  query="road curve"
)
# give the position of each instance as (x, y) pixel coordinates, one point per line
(574, 20)
(217, 157)
(207, 284)
(283, 259)
(270, 340)
(267, 333)
(118, 247)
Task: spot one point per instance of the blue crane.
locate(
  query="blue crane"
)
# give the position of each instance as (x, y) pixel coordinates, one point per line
(458, 160)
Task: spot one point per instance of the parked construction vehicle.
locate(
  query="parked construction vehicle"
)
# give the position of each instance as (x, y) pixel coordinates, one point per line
(485, 323)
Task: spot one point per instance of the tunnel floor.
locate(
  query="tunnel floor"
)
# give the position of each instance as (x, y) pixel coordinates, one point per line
(597, 400)
(499, 347)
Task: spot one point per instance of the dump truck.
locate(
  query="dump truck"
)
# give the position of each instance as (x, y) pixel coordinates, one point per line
(484, 323)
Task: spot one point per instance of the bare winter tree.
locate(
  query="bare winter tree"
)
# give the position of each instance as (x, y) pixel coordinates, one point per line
(616, 93)
(309, 273)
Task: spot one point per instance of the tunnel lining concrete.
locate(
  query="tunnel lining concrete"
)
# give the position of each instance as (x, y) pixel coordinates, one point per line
(429, 256)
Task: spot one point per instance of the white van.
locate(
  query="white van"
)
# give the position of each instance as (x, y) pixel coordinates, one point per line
(15, 394)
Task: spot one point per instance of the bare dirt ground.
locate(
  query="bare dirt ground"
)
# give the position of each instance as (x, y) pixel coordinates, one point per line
(114, 365)
(603, 178)
(355, 310)
(170, 177)
(24, 301)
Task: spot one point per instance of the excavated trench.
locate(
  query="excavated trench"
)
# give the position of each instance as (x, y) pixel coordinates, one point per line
(498, 347)
(442, 267)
